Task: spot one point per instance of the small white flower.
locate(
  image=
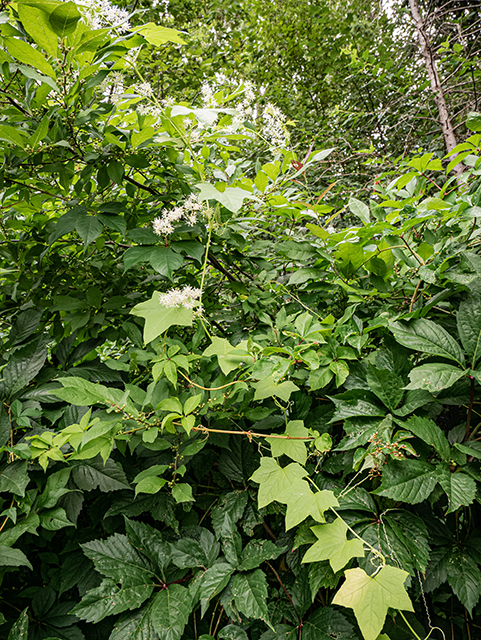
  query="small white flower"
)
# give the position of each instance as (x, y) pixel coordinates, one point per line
(101, 13)
(186, 297)
(144, 89)
(188, 211)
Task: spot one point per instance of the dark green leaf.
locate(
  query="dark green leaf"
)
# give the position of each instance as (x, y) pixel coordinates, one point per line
(410, 481)
(64, 18)
(109, 599)
(170, 611)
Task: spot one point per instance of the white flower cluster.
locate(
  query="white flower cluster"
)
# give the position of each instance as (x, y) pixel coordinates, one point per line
(188, 211)
(144, 89)
(186, 297)
(112, 87)
(100, 14)
(274, 126)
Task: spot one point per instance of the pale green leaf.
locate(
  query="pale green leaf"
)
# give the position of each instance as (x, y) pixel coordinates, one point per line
(232, 197)
(294, 449)
(360, 210)
(159, 318)
(276, 483)
(304, 503)
(182, 492)
(157, 35)
(267, 388)
(371, 596)
(333, 545)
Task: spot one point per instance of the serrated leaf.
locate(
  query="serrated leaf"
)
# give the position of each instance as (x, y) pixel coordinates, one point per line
(250, 594)
(371, 596)
(410, 481)
(93, 474)
(116, 558)
(464, 578)
(333, 545)
(429, 432)
(19, 631)
(468, 319)
(460, 488)
(387, 386)
(159, 318)
(135, 626)
(276, 483)
(268, 388)
(214, 580)
(256, 551)
(148, 541)
(170, 612)
(294, 449)
(10, 557)
(188, 553)
(321, 576)
(109, 599)
(182, 492)
(14, 478)
(434, 377)
(428, 337)
(327, 624)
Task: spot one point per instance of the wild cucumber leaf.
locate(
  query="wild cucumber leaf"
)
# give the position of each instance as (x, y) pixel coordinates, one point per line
(371, 596)
(148, 541)
(135, 626)
(276, 483)
(302, 502)
(116, 558)
(434, 377)
(428, 431)
(250, 594)
(158, 35)
(214, 580)
(332, 544)
(109, 599)
(387, 386)
(170, 612)
(410, 481)
(464, 578)
(460, 488)
(327, 623)
(10, 557)
(159, 318)
(232, 197)
(228, 357)
(256, 551)
(294, 449)
(428, 337)
(268, 388)
(19, 631)
(469, 327)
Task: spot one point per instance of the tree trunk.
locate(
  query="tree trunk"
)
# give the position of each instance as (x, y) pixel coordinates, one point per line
(436, 87)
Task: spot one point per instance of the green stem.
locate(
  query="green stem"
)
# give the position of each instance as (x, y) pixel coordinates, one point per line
(409, 626)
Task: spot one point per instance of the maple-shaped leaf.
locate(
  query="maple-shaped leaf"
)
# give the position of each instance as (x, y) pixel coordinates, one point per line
(277, 483)
(294, 449)
(371, 596)
(333, 545)
(159, 318)
(301, 504)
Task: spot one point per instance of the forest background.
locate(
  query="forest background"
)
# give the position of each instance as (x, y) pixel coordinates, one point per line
(241, 320)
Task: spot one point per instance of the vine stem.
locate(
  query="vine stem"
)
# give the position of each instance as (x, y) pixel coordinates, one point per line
(286, 592)
(373, 550)
(470, 409)
(250, 434)
(224, 386)
(410, 628)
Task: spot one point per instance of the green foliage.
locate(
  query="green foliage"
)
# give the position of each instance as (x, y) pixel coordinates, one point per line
(221, 416)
